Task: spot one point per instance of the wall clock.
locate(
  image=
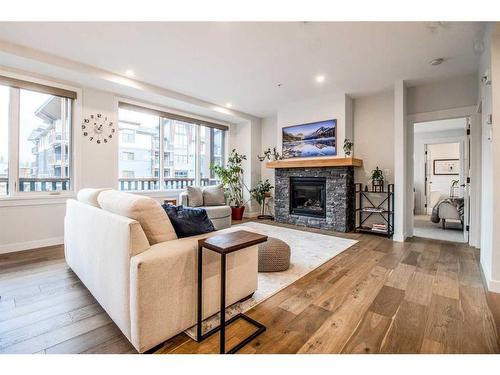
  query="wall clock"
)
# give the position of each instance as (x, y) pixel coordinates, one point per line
(97, 128)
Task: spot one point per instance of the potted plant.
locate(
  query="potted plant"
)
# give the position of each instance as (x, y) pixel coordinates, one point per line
(231, 177)
(377, 179)
(348, 147)
(260, 192)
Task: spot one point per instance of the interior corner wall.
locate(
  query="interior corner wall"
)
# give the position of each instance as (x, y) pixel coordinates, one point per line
(245, 138)
(400, 166)
(374, 135)
(494, 283)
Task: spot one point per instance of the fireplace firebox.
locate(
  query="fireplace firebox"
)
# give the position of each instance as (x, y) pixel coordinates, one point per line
(308, 196)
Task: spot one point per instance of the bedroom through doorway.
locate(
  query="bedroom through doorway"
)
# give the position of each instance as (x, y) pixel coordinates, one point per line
(441, 179)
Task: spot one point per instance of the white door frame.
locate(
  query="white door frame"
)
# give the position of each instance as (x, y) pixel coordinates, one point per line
(475, 159)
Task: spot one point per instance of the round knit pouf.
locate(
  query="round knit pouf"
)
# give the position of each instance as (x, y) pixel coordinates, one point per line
(274, 255)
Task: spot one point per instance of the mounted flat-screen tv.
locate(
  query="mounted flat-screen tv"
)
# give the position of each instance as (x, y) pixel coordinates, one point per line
(308, 140)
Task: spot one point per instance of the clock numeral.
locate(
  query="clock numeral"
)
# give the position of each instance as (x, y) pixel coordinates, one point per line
(91, 138)
(92, 116)
(110, 136)
(85, 134)
(112, 130)
(98, 141)
(105, 140)
(83, 126)
(86, 121)
(99, 115)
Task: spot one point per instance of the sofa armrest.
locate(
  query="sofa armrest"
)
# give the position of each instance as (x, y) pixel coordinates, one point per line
(183, 199)
(163, 287)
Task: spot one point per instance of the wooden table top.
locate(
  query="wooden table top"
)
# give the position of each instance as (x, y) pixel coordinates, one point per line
(225, 243)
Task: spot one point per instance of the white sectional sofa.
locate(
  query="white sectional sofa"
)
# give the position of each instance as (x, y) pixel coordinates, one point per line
(123, 248)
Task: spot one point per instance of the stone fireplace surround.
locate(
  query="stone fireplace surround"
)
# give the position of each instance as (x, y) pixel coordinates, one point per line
(339, 197)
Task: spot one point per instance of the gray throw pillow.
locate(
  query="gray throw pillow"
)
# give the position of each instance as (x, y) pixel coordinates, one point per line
(195, 196)
(214, 196)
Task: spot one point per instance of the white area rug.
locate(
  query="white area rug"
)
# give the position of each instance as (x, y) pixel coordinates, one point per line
(308, 252)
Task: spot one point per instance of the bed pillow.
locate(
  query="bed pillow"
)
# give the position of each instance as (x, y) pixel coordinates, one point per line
(214, 196)
(188, 221)
(195, 196)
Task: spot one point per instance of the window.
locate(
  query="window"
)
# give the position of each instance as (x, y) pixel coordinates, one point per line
(128, 136)
(128, 156)
(188, 148)
(44, 139)
(139, 147)
(35, 137)
(4, 140)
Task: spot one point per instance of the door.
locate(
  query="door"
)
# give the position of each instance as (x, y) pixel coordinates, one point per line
(427, 180)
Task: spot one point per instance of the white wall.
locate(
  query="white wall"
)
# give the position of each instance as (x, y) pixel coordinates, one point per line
(374, 135)
(459, 91)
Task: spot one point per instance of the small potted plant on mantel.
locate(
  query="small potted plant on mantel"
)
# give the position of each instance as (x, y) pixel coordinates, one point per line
(377, 180)
(231, 177)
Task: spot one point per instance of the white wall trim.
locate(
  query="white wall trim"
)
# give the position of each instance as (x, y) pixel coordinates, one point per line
(494, 286)
(20, 246)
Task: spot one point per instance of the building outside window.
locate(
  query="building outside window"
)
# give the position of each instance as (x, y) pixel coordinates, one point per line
(188, 150)
(41, 159)
(139, 146)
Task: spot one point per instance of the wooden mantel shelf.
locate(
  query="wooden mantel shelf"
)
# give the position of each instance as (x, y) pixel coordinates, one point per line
(315, 163)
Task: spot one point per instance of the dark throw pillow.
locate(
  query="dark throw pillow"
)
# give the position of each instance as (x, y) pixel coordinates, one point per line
(188, 221)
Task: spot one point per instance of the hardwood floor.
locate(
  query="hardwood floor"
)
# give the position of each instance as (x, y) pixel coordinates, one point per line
(379, 296)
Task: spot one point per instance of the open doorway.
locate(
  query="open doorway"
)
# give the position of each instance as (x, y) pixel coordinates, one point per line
(441, 171)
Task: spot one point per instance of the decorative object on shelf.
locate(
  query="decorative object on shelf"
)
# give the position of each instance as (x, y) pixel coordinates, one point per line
(443, 167)
(97, 128)
(231, 177)
(260, 192)
(313, 139)
(377, 177)
(375, 205)
(171, 201)
(268, 153)
(348, 147)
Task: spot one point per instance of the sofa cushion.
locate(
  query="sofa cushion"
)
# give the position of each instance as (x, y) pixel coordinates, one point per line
(89, 196)
(195, 196)
(214, 196)
(145, 210)
(188, 221)
(217, 212)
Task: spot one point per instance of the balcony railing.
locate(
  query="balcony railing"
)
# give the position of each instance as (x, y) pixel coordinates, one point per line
(4, 186)
(151, 183)
(28, 184)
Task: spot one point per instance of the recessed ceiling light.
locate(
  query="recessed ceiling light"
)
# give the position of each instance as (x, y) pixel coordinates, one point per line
(229, 105)
(320, 78)
(129, 73)
(436, 62)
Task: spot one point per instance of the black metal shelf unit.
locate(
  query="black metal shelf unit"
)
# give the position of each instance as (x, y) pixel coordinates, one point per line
(367, 206)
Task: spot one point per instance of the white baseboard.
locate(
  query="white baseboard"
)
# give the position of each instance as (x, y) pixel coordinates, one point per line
(494, 286)
(20, 246)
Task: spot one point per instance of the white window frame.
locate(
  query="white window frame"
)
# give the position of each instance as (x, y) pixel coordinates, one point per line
(161, 173)
(16, 197)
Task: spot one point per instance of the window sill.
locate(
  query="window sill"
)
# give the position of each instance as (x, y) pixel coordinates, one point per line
(35, 199)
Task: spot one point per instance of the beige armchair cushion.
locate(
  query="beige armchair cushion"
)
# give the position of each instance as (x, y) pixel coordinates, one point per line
(148, 212)
(214, 196)
(195, 196)
(89, 196)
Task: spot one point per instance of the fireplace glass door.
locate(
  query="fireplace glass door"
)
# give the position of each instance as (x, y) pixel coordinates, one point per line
(308, 196)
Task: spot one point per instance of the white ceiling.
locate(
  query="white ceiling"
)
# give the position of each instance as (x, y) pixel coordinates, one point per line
(243, 63)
